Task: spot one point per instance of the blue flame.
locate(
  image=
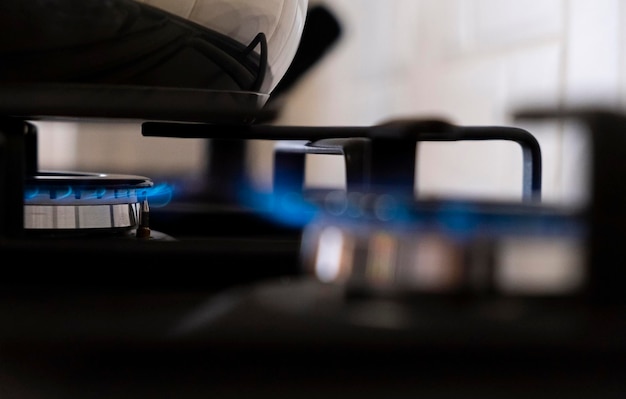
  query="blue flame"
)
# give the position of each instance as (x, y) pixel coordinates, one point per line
(287, 208)
(296, 209)
(98, 193)
(158, 196)
(31, 193)
(458, 219)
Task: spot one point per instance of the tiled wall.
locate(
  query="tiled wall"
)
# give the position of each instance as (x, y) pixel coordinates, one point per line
(474, 62)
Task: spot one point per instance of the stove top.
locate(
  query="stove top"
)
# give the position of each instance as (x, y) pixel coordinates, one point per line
(363, 290)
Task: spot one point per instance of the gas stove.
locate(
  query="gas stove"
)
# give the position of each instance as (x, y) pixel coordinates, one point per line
(361, 290)
(133, 286)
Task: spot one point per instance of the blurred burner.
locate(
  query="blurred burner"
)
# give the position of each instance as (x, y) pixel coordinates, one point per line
(388, 247)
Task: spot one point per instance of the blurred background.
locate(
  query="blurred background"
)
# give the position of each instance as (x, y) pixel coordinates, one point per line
(472, 62)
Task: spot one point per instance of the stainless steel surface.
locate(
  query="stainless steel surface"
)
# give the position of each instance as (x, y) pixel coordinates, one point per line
(80, 217)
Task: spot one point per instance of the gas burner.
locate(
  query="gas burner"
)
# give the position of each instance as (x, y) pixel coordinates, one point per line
(384, 246)
(72, 202)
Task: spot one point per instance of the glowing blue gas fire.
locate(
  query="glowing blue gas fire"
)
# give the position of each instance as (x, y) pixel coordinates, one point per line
(297, 209)
(457, 219)
(286, 208)
(158, 195)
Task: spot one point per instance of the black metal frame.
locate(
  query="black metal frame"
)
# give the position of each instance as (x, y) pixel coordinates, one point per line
(380, 157)
(606, 214)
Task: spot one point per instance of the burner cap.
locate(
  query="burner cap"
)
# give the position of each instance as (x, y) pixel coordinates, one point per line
(70, 201)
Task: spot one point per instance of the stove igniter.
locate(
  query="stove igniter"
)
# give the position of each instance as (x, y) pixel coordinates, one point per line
(83, 202)
(143, 228)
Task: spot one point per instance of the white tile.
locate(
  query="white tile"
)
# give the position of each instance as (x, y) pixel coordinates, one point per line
(535, 76)
(593, 67)
(57, 144)
(119, 147)
(481, 170)
(446, 28)
(622, 55)
(576, 164)
(511, 22)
